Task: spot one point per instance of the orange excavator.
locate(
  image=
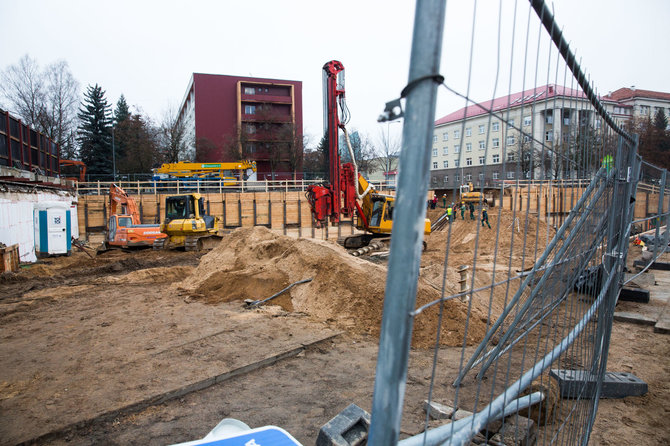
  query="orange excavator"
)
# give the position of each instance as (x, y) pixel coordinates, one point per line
(124, 228)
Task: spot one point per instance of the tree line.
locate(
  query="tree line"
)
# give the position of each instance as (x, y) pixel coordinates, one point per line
(109, 142)
(114, 140)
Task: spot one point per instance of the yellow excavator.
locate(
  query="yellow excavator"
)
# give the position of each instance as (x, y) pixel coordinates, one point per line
(469, 194)
(187, 224)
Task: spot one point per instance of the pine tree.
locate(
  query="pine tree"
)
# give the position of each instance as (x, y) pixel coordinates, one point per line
(121, 126)
(122, 111)
(660, 120)
(94, 132)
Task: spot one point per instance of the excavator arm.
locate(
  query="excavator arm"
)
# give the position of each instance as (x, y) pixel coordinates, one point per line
(121, 203)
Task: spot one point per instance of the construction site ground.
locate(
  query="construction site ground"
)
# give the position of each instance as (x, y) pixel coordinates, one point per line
(156, 347)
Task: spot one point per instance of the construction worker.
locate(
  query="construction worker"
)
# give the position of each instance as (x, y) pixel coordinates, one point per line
(472, 211)
(485, 217)
(463, 210)
(450, 212)
(434, 202)
(444, 201)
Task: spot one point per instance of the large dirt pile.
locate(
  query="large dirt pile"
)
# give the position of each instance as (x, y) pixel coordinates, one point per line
(255, 263)
(515, 247)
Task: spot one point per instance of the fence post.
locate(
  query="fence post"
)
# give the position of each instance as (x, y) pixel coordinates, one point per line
(406, 243)
(299, 219)
(284, 216)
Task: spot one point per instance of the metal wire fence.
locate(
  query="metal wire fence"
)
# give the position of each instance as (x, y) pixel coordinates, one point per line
(538, 286)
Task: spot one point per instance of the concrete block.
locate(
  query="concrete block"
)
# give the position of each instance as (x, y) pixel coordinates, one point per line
(634, 295)
(348, 428)
(517, 431)
(634, 318)
(437, 411)
(583, 384)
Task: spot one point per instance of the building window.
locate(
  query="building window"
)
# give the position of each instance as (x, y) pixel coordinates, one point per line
(249, 90)
(510, 123)
(445, 136)
(468, 131)
(496, 175)
(526, 121)
(446, 178)
(434, 164)
(445, 164)
(526, 138)
(468, 177)
(495, 126)
(251, 129)
(251, 148)
(445, 150)
(644, 110)
(456, 163)
(482, 129)
(511, 157)
(510, 175)
(549, 136)
(458, 177)
(434, 138)
(468, 147)
(468, 161)
(434, 152)
(481, 177)
(496, 142)
(457, 134)
(549, 116)
(496, 158)
(510, 140)
(249, 109)
(482, 160)
(482, 145)
(457, 148)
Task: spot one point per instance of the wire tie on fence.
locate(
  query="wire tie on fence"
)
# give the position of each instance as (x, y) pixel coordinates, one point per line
(393, 109)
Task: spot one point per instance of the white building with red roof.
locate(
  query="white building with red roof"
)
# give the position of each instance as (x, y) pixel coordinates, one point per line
(493, 140)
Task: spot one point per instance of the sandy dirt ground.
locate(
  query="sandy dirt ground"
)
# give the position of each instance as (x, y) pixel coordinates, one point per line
(157, 347)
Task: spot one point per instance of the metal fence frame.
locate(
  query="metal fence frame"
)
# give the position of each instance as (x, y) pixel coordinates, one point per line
(611, 190)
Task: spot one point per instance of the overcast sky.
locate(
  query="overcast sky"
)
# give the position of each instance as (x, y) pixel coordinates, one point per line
(148, 50)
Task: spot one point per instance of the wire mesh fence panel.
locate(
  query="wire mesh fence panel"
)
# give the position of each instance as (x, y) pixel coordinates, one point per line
(548, 193)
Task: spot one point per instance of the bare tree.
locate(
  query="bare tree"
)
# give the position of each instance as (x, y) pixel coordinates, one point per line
(526, 155)
(174, 144)
(24, 91)
(46, 100)
(58, 121)
(386, 151)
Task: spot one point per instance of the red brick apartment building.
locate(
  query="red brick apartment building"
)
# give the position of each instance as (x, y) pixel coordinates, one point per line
(261, 118)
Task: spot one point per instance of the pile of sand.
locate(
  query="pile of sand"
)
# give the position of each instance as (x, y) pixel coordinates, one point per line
(255, 263)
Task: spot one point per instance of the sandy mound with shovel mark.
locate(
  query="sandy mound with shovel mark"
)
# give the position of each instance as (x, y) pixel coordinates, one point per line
(255, 263)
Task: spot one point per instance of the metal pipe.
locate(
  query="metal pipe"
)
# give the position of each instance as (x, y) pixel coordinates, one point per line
(408, 225)
(443, 434)
(435, 436)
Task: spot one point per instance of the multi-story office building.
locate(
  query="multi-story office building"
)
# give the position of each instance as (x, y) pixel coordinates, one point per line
(228, 117)
(626, 103)
(524, 130)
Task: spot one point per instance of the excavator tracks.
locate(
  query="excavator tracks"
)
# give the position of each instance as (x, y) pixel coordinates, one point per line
(159, 244)
(193, 244)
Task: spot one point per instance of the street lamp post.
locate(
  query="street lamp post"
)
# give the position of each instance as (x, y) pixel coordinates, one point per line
(113, 156)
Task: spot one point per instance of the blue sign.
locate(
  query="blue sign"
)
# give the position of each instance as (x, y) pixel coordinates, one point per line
(264, 436)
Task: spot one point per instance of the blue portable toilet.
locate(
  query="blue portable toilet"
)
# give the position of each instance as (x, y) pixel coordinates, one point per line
(53, 228)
